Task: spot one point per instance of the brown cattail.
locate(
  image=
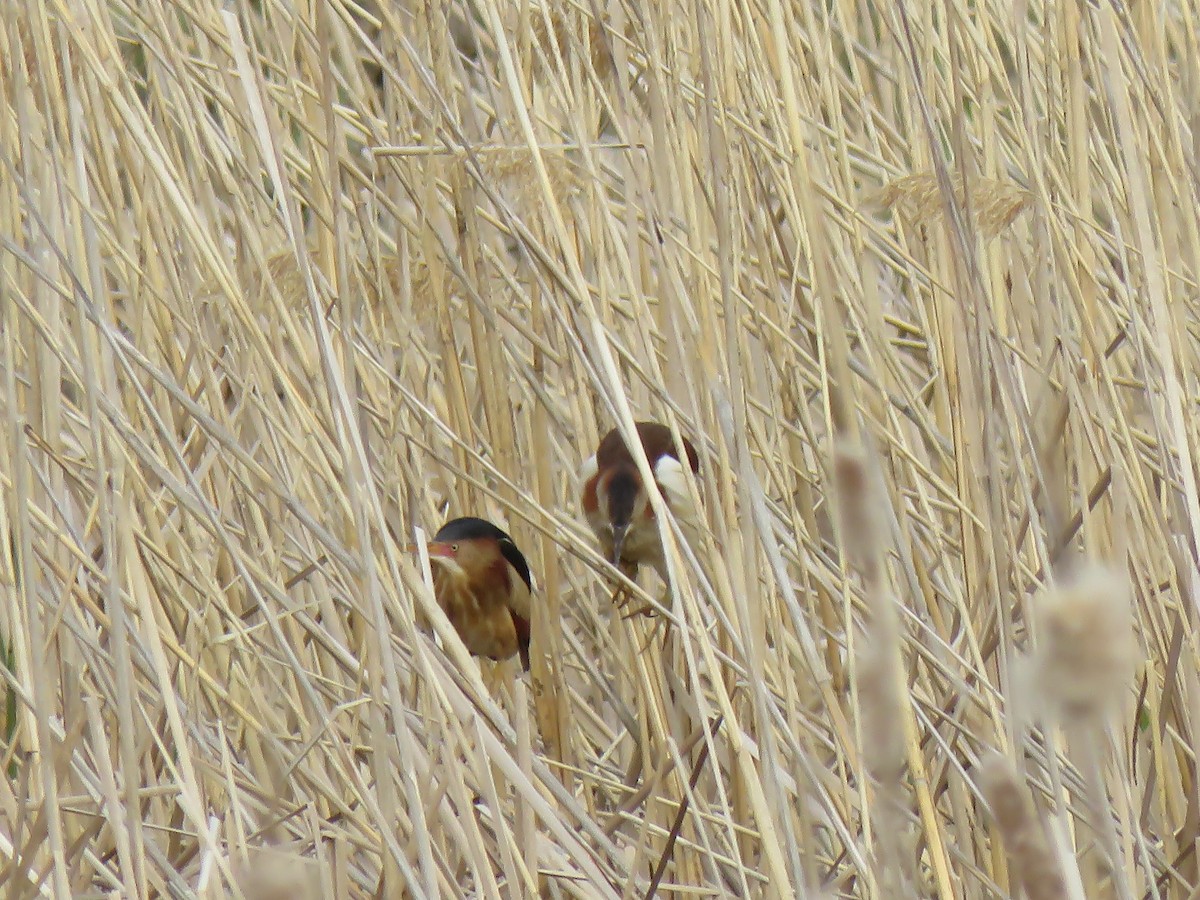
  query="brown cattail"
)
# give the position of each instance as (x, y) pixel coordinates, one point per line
(1031, 860)
(1086, 649)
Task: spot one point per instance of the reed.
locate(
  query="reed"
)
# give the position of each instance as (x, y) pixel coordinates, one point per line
(284, 285)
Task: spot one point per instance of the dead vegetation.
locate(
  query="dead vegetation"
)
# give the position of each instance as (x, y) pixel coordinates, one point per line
(284, 283)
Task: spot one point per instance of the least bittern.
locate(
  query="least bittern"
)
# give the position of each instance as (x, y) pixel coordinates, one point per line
(482, 583)
(617, 505)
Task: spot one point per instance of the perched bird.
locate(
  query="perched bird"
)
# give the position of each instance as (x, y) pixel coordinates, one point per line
(482, 583)
(617, 504)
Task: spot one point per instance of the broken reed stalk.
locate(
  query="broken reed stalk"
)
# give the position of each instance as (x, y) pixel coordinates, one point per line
(697, 767)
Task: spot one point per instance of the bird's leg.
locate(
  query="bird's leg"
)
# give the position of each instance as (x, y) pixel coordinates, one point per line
(666, 602)
(665, 624)
(659, 625)
(654, 627)
(648, 611)
(622, 594)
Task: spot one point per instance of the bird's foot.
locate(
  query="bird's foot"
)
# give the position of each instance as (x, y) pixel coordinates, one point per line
(655, 627)
(623, 594)
(620, 597)
(663, 625)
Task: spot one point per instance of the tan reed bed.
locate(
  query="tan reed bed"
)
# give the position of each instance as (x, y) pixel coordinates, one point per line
(286, 283)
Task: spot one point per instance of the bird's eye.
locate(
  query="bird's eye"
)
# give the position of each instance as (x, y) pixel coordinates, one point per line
(454, 548)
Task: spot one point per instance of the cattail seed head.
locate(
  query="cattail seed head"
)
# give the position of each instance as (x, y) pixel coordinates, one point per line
(1031, 860)
(278, 876)
(1086, 647)
(879, 695)
(851, 482)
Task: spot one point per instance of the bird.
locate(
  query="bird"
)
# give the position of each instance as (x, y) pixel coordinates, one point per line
(617, 505)
(483, 584)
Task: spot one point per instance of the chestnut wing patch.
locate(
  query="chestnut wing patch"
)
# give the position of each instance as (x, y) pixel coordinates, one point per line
(589, 474)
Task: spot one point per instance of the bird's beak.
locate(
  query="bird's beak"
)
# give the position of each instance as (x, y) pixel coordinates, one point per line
(618, 539)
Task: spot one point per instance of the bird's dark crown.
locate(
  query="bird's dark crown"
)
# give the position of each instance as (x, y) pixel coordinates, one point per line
(622, 488)
(470, 528)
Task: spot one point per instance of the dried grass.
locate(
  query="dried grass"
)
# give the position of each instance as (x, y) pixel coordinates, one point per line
(284, 284)
(919, 198)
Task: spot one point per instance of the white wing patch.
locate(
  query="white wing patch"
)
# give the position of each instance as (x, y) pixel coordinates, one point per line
(587, 470)
(672, 478)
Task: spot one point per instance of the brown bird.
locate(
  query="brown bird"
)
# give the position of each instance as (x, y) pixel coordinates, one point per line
(483, 584)
(617, 504)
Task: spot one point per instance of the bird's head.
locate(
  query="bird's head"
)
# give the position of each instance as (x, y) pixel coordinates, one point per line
(623, 501)
(478, 551)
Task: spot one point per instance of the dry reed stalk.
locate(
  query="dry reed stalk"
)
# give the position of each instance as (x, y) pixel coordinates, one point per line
(242, 361)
